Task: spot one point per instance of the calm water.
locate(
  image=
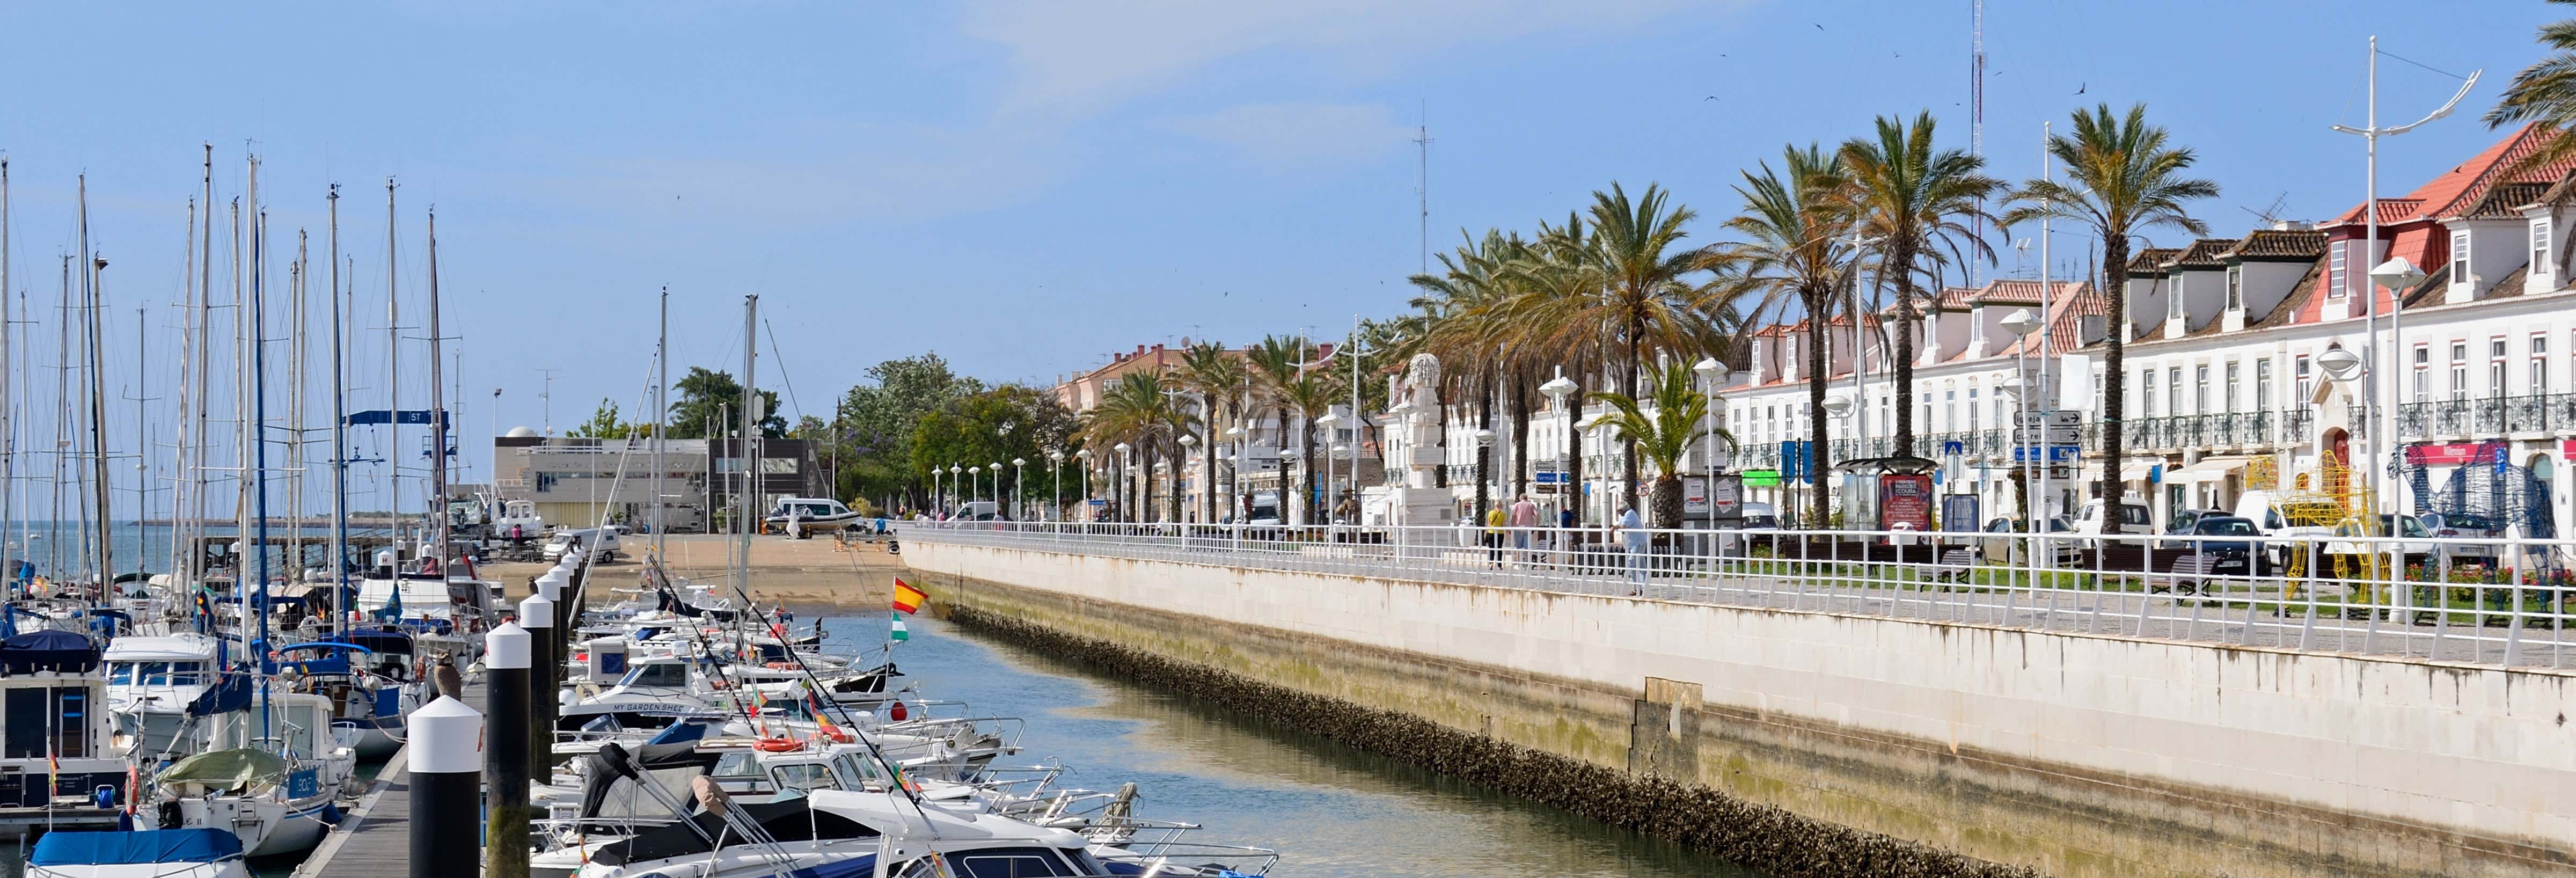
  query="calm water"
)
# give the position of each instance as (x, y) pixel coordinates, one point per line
(1328, 809)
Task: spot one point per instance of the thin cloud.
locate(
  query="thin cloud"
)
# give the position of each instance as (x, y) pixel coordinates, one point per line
(1298, 135)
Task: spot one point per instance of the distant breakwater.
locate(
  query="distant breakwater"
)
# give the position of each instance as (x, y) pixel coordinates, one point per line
(1760, 837)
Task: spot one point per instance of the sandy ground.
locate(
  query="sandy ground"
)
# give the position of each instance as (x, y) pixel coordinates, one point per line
(800, 573)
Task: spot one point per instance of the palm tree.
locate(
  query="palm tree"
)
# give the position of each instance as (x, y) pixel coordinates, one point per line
(1276, 363)
(1664, 434)
(1220, 379)
(1645, 306)
(1310, 394)
(2126, 179)
(1551, 288)
(1916, 201)
(1470, 329)
(2544, 92)
(1797, 252)
(1138, 410)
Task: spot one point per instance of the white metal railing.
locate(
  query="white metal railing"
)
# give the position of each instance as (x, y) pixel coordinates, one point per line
(2476, 601)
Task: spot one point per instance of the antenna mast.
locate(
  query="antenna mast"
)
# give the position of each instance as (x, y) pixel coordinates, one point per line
(1977, 107)
(1422, 187)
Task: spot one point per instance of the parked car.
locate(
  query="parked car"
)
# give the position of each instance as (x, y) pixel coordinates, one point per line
(2471, 525)
(600, 542)
(1997, 548)
(2180, 525)
(2232, 541)
(2135, 517)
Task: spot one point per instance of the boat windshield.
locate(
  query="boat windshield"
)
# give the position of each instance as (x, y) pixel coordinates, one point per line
(156, 673)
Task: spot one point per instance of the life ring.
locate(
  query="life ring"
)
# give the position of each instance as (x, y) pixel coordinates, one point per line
(840, 735)
(778, 745)
(779, 666)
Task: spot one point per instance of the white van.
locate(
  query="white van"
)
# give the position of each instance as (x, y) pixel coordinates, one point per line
(600, 542)
(2135, 518)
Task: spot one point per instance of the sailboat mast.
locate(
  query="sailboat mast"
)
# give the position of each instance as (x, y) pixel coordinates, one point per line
(340, 603)
(258, 474)
(393, 383)
(8, 418)
(179, 485)
(205, 379)
(62, 422)
(295, 410)
(241, 407)
(742, 444)
(661, 419)
(437, 410)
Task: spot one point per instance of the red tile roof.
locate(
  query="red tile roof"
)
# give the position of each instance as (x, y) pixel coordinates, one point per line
(2069, 304)
(2454, 191)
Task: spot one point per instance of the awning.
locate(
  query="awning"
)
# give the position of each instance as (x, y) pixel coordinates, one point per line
(2209, 469)
(2133, 471)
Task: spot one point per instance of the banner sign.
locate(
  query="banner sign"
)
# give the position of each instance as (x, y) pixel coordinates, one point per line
(1905, 500)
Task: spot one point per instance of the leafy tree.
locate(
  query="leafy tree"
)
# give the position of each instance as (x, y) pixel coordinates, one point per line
(876, 424)
(2126, 180)
(705, 393)
(1797, 254)
(603, 424)
(1915, 200)
(995, 426)
(1664, 434)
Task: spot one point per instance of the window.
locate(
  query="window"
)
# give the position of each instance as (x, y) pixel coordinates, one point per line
(2173, 303)
(2539, 363)
(2227, 392)
(2540, 246)
(2147, 382)
(2236, 288)
(808, 776)
(1926, 413)
(2335, 279)
(1972, 408)
(2459, 257)
(2495, 366)
(2423, 368)
(2200, 390)
(1950, 410)
(1007, 863)
(2263, 384)
(2307, 380)
(2097, 391)
(2173, 391)
(2459, 370)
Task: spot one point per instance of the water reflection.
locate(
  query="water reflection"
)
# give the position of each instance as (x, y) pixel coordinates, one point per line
(1328, 809)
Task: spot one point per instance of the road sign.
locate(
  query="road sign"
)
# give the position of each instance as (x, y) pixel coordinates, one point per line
(2061, 471)
(1954, 447)
(2053, 419)
(2056, 453)
(2056, 436)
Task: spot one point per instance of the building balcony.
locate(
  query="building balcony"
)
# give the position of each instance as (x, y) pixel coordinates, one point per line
(2492, 416)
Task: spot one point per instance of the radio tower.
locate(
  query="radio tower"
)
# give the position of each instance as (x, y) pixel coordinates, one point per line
(1977, 107)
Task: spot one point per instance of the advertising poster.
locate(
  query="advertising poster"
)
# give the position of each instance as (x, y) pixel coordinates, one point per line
(1905, 501)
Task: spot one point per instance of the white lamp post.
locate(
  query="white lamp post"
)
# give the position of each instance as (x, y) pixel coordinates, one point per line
(1128, 490)
(1712, 373)
(1055, 469)
(1557, 389)
(1329, 421)
(1189, 446)
(1019, 475)
(1084, 455)
(2398, 275)
(2021, 323)
(1234, 474)
(955, 490)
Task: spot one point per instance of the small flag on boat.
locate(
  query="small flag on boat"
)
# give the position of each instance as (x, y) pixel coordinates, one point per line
(898, 632)
(908, 599)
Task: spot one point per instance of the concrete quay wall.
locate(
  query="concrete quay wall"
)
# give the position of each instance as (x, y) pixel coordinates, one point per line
(2067, 753)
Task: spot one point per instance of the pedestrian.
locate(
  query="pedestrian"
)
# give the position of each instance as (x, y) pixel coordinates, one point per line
(1524, 517)
(1633, 531)
(1495, 520)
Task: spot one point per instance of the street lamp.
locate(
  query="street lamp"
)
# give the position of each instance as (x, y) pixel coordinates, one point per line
(954, 473)
(1596, 426)
(1713, 373)
(1129, 490)
(1189, 446)
(1055, 498)
(1327, 422)
(2021, 323)
(1019, 473)
(1234, 473)
(1084, 455)
(1557, 389)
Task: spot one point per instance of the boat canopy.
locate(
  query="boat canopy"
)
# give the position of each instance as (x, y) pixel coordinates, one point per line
(241, 769)
(48, 650)
(793, 819)
(231, 692)
(378, 639)
(148, 846)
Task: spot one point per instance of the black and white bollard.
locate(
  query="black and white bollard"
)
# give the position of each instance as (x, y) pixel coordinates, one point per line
(506, 662)
(537, 615)
(445, 766)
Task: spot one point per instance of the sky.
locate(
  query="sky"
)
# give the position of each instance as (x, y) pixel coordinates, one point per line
(1025, 186)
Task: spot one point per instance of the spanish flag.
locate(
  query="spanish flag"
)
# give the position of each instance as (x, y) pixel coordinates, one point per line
(907, 599)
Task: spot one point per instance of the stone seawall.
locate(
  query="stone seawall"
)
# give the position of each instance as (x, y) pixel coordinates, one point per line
(1810, 743)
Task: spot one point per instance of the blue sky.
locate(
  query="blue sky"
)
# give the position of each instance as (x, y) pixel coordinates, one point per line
(1025, 186)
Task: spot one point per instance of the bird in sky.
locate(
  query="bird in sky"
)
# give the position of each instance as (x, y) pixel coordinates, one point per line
(2079, 87)
(1709, 98)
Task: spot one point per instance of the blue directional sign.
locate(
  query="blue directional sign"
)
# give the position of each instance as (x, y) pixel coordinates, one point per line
(2056, 453)
(1953, 448)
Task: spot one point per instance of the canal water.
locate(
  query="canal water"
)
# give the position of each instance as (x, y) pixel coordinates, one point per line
(1329, 810)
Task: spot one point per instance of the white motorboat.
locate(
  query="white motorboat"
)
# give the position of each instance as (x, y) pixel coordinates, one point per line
(151, 683)
(150, 853)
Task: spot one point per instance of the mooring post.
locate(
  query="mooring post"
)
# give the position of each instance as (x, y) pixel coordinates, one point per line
(537, 615)
(445, 764)
(507, 659)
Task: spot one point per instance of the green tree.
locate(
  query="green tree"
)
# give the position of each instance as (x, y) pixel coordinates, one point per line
(603, 424)
(1797, 253)
(1006, 423)
(1662, 434)
(1916, 201)
(1138, 410)
(705, 393)
(2126, 179)
(876, 423)
(1222, 381)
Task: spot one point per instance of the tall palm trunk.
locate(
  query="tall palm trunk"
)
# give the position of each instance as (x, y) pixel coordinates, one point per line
(1207, 488)
(1484, 451)
(1628, 444)
(1520, 432)
(1313, 501)
(2115, 385)
(1572, 488)
(1901, 260)
(1816, 457)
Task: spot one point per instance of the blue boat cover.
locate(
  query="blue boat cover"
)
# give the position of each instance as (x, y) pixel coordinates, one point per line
(50, 649)
(64, 848)
(231, 692)
(378, 639)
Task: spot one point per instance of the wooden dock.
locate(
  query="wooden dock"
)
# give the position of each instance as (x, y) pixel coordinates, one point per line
(375, 840)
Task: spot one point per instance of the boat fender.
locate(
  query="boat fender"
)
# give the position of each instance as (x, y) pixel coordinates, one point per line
(895, 711)
(779, 745)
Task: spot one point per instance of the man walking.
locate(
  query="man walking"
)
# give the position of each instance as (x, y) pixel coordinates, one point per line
(1494, 522)
(1634, 531)
(1524, 517)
